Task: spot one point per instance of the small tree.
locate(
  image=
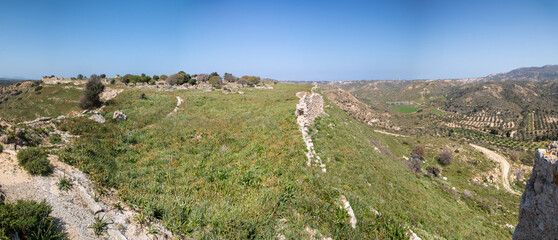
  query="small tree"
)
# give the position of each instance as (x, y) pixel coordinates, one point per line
(175, 79)
(103, 75)
(192, 81)
(80, 76)
(213, 74)
(90, 98)
(126, 81)
(419, 150)
(446, 157)
(242, 81)
(164, 77)
(215, 80)
(229, 77)
(155, 77)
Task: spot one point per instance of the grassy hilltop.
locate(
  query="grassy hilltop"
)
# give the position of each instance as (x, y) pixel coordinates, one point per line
(233, 166)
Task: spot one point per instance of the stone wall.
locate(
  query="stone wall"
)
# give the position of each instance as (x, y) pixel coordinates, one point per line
(538, 211)
(61, 80)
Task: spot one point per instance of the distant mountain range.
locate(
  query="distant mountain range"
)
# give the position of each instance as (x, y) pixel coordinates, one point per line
(532, 74)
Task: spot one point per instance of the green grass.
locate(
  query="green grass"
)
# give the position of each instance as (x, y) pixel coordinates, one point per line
(50, 101)
(436, 111)
(370, 180)
(405, 108)
(231, 166)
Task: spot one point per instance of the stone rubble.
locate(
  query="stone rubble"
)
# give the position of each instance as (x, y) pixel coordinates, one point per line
(310, 106)
(118, 115)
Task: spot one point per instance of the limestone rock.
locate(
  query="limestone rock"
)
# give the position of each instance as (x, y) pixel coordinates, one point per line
(538, 210)
(118, 115)
(97, 118)
(4, 139)
(345, 205)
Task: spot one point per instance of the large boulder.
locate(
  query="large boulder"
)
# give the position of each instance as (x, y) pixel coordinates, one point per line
(538, 211)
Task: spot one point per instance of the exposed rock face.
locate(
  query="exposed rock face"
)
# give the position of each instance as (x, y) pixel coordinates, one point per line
(538, 212)
(118, 115)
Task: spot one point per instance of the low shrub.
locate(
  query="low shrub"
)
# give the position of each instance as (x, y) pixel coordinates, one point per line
(55, 138)
(34, 160)
(446, 157)
(27, 220)
(414, 163)
(38, 88)
(65, 184)
(419, 150)
(434, 171)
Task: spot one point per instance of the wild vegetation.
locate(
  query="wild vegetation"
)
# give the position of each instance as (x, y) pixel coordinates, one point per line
(27, 220)
(233, 165)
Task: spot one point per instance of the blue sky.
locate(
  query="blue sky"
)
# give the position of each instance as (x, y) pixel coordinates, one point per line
(285, 40)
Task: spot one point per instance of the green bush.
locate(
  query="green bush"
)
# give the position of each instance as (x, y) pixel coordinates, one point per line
(90, 98)
(27, 220)
(34, 160)
(1, 148)
(38, 88)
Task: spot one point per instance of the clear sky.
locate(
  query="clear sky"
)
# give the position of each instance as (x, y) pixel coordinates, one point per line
(285, 40)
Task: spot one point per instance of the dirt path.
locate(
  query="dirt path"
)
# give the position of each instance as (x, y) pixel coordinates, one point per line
(388, 133)
(76, 208)
(179, 101)
(504, 166)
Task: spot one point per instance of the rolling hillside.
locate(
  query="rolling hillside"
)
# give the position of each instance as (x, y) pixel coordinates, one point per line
(233, 166)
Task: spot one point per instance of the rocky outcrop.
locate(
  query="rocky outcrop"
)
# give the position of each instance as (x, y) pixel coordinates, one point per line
(538, 211)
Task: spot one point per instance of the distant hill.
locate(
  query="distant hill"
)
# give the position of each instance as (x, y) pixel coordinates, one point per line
(533, 74)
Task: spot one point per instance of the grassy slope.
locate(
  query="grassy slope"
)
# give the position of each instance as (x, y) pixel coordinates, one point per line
(232, 165)
(52, 101)
(425, 203)
(223, 166)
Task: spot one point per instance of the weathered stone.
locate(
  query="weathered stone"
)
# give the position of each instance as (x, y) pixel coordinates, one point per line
(4, 139)
(345, 205)
(118, 115)
(97, 118)
(538, 210)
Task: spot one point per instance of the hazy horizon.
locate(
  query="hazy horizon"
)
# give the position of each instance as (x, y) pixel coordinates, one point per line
(289, 40)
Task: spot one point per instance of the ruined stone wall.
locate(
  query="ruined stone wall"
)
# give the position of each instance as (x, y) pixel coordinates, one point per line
(538, 211)
(310, 106)
(61, 80)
